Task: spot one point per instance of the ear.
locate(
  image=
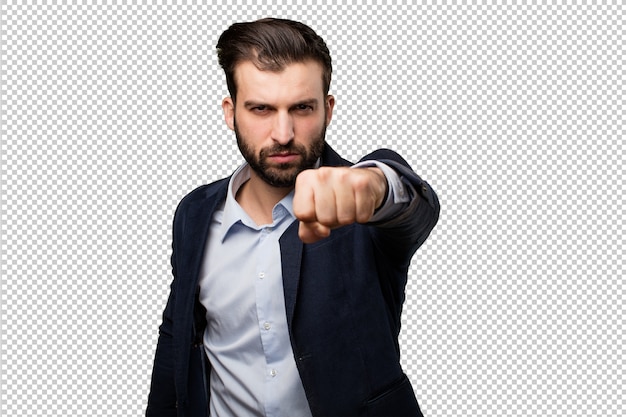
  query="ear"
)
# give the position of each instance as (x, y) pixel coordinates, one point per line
(228, 106)
(330, 105)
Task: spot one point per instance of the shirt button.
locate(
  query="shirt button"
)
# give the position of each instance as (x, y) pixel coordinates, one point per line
(273, 372)
(261, 275)
(267, 326)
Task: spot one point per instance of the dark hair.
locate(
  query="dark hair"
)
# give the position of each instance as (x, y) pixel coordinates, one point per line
(271, 44)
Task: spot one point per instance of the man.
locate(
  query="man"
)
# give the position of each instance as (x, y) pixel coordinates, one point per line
(289, 275)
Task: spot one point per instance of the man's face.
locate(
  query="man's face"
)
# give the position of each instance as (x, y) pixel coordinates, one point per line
(280, 119)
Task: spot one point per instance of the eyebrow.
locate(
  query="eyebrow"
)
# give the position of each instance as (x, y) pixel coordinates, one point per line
(251, 103)
(309, 102)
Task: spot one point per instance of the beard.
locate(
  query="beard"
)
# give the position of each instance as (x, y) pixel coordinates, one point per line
(281, 175)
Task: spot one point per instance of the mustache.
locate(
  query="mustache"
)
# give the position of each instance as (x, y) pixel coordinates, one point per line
(280, 149)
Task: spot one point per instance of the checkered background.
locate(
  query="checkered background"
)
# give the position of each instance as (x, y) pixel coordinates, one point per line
(110, 114)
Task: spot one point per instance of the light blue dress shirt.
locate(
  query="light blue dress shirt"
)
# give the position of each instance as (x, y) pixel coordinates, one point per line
(253, 371)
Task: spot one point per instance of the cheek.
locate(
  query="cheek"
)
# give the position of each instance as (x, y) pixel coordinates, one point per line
(253, 130)
(309, 128)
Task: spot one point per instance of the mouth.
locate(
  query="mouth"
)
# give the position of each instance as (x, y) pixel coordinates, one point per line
(283, 158)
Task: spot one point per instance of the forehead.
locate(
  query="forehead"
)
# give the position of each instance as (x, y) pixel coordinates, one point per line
(294, 82)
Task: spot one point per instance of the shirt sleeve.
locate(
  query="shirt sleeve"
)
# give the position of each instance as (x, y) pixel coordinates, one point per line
(399, 194)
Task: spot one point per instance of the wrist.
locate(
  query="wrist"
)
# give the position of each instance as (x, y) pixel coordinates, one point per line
(381, 186)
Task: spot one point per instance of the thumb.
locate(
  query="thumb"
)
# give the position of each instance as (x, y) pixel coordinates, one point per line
(311, 232)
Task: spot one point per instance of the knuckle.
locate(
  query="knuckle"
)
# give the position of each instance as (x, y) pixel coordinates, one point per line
(304, 214)
(363, 217)
(301, 209)
(324, 173)
(361, 182)
(303, 176)
(345, 218)
(327, 219)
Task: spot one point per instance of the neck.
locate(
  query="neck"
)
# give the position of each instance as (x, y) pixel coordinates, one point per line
(258, 199)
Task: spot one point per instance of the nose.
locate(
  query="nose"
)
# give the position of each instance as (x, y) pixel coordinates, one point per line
(282, 131)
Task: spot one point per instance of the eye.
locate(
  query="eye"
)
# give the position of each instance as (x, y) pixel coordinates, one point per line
(304, 108)
(260, 110)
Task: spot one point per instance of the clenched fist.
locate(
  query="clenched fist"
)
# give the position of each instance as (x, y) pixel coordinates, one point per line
(330, 197)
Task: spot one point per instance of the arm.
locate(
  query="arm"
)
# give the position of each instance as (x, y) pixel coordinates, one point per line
(162, 397)
(328, 198)
(409, 225)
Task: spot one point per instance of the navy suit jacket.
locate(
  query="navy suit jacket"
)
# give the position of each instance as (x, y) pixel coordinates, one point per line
(343, 298)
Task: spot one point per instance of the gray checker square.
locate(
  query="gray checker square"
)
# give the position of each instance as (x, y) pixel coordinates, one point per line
(513, 111)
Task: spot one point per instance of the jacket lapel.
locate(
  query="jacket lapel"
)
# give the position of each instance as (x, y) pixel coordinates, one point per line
(197, 225)
(291, 256)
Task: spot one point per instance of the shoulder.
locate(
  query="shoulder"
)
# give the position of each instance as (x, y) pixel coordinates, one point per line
(205, 191)
(332, 158)
(386, 155)
(208, 194)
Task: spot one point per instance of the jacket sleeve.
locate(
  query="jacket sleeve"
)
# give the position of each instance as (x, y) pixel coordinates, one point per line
(400, 236)
(162, 397)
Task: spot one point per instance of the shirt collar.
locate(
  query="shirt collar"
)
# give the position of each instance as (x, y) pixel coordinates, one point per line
(233, 213)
